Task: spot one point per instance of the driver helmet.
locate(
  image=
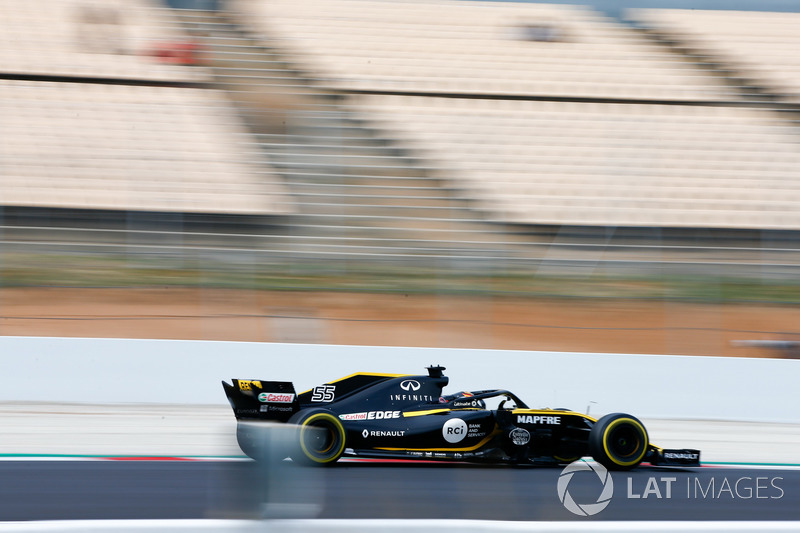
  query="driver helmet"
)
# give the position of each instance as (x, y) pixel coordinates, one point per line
(464, 399)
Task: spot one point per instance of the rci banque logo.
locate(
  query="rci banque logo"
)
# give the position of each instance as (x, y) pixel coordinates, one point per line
(585, 509)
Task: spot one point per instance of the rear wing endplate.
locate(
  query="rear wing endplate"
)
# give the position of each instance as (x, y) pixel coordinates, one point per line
(262, 400)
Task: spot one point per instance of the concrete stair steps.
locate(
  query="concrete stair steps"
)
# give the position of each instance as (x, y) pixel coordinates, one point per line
(354, 189)
(371, 191)
(308, 159)
(344, 177)
(420, 210)
(317, 139)
(332, 149)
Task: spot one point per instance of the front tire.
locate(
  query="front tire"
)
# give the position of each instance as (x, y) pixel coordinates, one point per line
(618, 441)
(320, 438)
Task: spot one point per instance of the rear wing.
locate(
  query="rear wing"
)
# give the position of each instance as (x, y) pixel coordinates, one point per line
(262, 400)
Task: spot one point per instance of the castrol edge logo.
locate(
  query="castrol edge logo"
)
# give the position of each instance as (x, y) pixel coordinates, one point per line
(275, 397)
(371, 415)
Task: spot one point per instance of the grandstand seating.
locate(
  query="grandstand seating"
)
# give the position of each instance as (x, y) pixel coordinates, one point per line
(475, 47)
(762, 46)
(548, 162)
(71, 140)
(109, 38)
(525, 162)
(607, 164)
(116, 147)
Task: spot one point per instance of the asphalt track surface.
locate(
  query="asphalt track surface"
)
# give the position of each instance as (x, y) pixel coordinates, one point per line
(50, 490)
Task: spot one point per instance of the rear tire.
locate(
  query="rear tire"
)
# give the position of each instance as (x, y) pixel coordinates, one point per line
(618, 441)
(247, 437)
(320, 438)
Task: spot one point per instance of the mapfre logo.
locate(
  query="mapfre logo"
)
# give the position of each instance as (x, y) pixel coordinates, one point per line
(585, 509)
(410, 385)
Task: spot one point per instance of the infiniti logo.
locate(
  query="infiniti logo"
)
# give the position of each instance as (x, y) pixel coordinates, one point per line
(410, 385)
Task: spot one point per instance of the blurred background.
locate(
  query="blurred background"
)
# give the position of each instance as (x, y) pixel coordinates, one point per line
(407, 172)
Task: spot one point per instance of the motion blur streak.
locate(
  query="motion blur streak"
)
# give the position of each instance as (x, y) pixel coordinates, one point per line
(437, 173)
(182, 490)
(463, 151)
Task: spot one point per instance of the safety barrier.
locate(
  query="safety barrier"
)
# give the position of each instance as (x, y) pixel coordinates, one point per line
(108, 371)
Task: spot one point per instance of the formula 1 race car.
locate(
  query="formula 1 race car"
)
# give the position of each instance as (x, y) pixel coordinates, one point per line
(403, 416)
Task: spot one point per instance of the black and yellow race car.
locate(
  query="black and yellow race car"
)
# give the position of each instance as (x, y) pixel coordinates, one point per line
(408, 417)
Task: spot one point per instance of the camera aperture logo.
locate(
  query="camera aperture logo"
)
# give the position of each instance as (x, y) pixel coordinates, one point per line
(641, 487)
(585, 509)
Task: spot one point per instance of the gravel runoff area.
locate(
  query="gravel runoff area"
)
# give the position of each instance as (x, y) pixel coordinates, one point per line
(432, 320)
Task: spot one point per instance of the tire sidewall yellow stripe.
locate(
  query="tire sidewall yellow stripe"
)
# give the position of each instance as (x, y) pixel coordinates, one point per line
(611, 426)
(339, 429)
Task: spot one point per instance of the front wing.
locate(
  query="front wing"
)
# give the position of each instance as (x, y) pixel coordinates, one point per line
(673, 457)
